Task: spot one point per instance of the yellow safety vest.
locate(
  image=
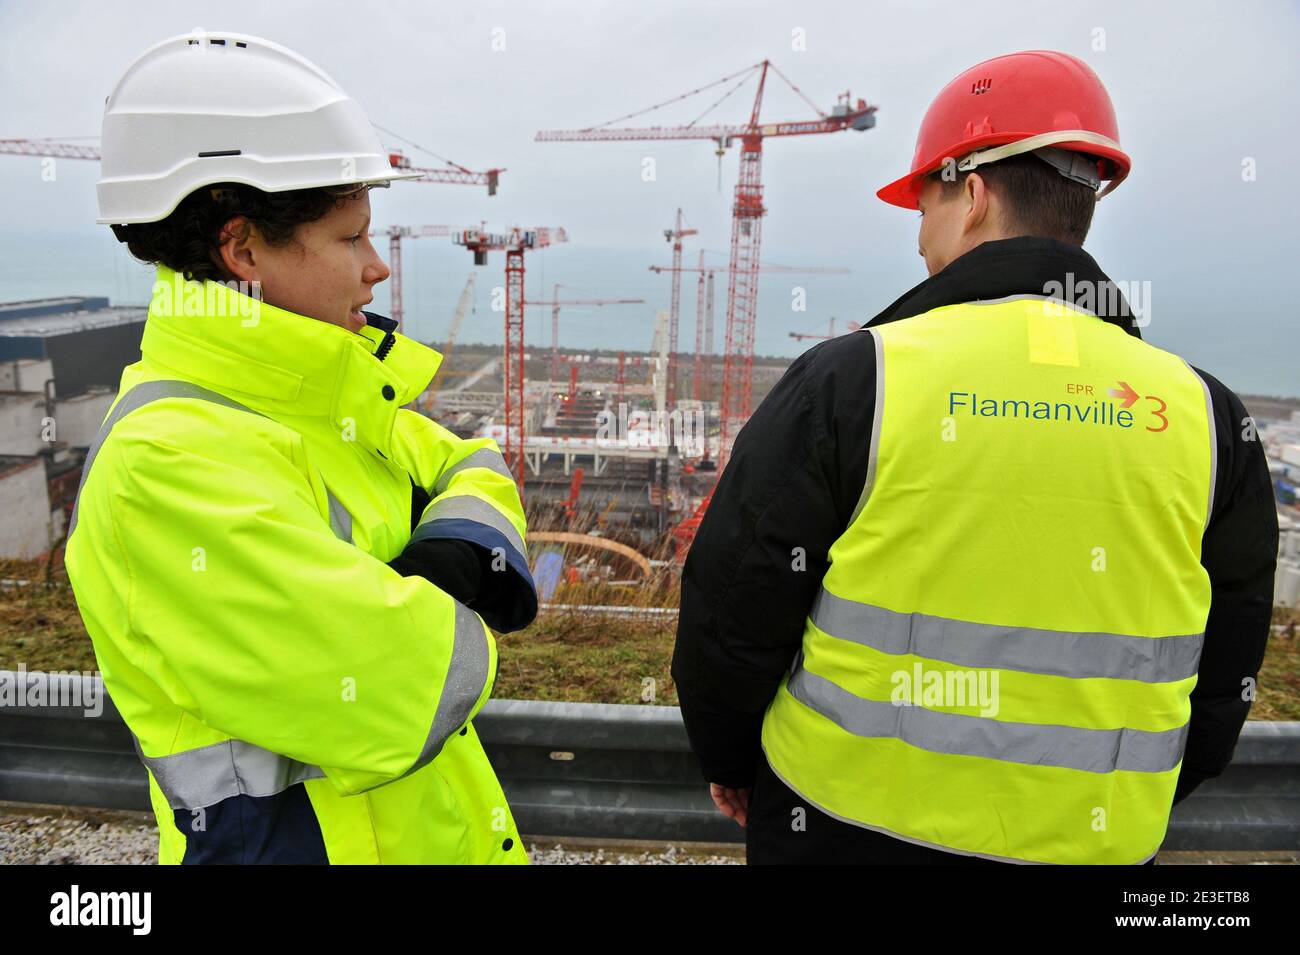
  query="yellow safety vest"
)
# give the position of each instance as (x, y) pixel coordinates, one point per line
(999, 661)
(293, 697)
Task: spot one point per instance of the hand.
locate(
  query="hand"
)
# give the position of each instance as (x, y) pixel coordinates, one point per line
(732, 803)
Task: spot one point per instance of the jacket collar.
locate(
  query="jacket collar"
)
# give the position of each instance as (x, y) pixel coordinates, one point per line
(1025, 265)
(285, 364)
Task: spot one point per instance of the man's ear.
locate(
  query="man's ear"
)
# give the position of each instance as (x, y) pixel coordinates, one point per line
(235, 250)
(975, 194)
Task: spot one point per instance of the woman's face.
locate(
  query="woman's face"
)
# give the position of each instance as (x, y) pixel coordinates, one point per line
(328, 272)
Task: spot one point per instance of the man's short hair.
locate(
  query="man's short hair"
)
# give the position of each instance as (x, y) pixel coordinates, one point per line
(1038, 199)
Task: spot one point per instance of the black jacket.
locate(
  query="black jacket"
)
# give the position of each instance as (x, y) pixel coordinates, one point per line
(794, 478)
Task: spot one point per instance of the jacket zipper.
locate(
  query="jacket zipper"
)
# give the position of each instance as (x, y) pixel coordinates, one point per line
(387, 325)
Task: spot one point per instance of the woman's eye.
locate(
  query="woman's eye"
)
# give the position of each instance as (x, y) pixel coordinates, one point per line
(353, 239)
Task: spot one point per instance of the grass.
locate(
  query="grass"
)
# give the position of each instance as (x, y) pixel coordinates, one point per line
(586, 659)
(40, 626)
(1279, 678)
(564, 655)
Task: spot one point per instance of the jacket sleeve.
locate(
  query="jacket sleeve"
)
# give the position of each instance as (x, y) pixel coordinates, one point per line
(1239, 551)
(257, 621)
(788, 492)
(470, 535)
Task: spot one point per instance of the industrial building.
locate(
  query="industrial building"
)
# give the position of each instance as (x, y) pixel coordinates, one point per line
(60, 363)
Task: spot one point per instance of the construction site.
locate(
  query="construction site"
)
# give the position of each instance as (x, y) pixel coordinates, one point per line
(616, 454)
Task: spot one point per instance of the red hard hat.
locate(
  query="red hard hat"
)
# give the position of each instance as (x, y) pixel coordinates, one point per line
(1018, 102)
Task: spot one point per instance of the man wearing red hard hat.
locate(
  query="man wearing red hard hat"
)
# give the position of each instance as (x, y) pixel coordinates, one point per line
(984, 581)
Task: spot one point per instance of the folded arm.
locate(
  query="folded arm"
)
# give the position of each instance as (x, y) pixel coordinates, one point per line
(467, 522)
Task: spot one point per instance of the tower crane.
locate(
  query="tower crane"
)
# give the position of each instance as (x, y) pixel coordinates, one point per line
(704, 312)
(703, 377)
(555, 302)
(396, 234)
(675, 236)
(452, 174)
(514, 243)
(458, 316)
(747, 208)
(811, 336)
(453, 332)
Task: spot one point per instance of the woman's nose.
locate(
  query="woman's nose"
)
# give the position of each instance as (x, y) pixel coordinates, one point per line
(377, 270)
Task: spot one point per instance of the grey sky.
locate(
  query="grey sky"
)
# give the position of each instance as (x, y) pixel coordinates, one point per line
(1198, 88)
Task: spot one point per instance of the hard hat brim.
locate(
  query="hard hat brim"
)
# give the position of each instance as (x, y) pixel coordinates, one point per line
(906, 190)
(159, 215)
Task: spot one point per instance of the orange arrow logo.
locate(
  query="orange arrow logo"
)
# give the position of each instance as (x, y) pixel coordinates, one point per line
(1128, 394)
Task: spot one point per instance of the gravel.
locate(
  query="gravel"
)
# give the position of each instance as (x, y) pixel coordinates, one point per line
(558, 854)
(76, 837)
(31, 835)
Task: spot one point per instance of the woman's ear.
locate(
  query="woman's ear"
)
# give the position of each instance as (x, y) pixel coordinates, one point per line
(235, 250)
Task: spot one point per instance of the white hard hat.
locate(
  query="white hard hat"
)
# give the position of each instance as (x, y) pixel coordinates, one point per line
(203, 108)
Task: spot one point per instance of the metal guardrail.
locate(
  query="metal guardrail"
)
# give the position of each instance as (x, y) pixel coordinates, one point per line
(601, 770)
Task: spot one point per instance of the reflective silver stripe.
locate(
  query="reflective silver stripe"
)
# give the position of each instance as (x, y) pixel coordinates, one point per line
(205, 776)
(874, 454)
(482, 458)
(340, 518)
(1051, 652)
(1090, 750)
(464, 507)
(1214, 441)
(139, 396)
(467, 675)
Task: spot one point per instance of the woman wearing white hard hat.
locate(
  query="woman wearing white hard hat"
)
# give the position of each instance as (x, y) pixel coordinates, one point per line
(288, 576)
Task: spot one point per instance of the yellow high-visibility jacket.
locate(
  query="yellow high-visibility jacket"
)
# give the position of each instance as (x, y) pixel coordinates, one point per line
(294, 697)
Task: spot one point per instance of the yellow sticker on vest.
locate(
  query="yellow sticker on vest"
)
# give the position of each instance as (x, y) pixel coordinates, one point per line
(1051, 338)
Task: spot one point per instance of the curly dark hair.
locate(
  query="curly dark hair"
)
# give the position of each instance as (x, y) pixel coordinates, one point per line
(187, 240)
